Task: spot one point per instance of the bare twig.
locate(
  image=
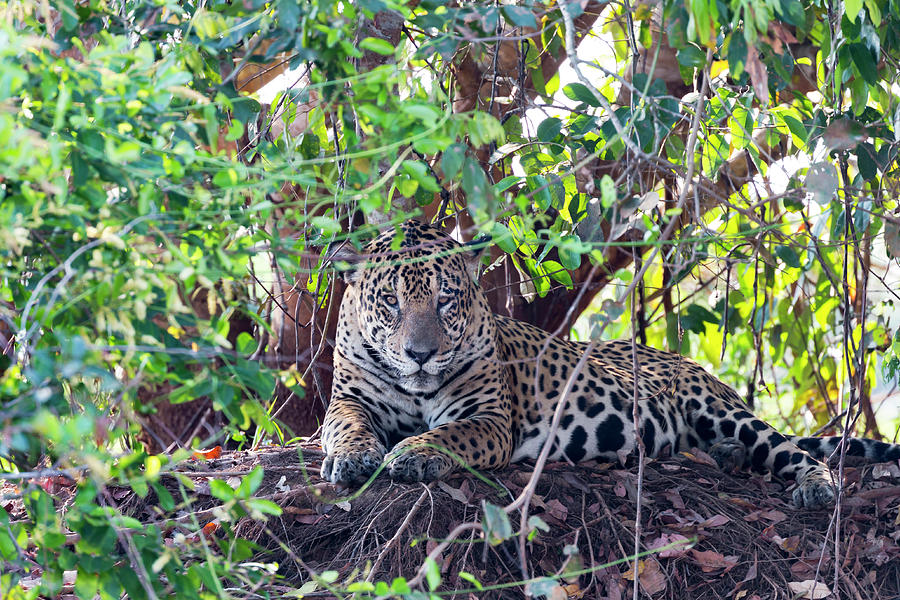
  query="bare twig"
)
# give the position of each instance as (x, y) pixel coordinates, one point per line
(396, 538)
(639, 442)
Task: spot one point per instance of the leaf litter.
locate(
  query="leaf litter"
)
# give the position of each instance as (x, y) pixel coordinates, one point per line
(748, 542)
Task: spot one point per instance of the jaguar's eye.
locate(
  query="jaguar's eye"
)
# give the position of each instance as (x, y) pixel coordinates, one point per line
(390, 299)
(446, 300)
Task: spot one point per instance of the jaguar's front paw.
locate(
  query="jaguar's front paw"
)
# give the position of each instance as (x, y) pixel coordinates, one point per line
(420, 465)
(730, 454)
(814, 492)
(351, 467)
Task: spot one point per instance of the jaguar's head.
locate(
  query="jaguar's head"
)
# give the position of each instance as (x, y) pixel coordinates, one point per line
(416, 306)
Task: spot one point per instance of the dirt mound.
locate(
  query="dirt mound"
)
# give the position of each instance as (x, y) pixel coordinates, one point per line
(725, 536)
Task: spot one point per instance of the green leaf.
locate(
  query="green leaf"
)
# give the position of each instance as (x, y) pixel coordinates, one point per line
(503, 238)
(867, 161)
(821, 181)
(378, 46)
(788, 255)
(865, 62)
(796, 127)
(419, 171)
(361, 586)
(475, 185)
(309, 145)
(485, 128)
(692, 56)
(737, 54)
(400, 586)
(520, 16)
(307, 588)
(86, 584)
(580, 92)
(607, 191)
(327, 224)
(793, 13)
(497, 527)
(740, 125)
(452, 160)
(226, 178)
(506, 183)
(140, 487)
(852, 9)
(874, 12)
(535, 522)
(695, 318)
(263, 506)
(432, 573)
(540, 189)
(163, 497)
(570, 258)
(466, 576)
(221, 490)
(329, 577)
(557, 272)
(423, 112)
(549, 129)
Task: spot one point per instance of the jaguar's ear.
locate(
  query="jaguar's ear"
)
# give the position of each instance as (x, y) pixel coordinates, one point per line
(473, 252)
(345, 259)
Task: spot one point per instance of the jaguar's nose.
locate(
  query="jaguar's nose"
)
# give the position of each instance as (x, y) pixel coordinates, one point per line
(419, 355)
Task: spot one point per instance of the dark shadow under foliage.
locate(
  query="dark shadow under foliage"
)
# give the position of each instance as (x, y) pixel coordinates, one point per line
(748, 537)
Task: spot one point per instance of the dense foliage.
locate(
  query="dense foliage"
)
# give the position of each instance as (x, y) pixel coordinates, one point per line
(143, 194)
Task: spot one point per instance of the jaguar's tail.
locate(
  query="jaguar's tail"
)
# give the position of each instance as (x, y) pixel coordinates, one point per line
(871, 450)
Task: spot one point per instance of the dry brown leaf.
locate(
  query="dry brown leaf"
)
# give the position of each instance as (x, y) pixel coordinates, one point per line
(674, 497)
(214, 452)
(809, 588)
(752, 572)
(759, 77)
(715, 521)
(892, 238)
(652, 578)
(667, 539)
(887, 470)
(791, 544)
(557, 510)
(308, 519)
(210, 529)
(558, 593)
(298, 510)
(455, 493)
(700, 457)
(775, 516)
(782, 33)
(805, 567)
(776, 44)
(711, 560)
(597, 467)
(573, 591)
(575, 482)
(742, 503)
(629, 574)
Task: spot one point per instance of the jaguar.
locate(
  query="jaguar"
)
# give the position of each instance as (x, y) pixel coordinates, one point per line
(426, 375)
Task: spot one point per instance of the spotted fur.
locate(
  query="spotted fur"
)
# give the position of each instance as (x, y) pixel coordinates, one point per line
(421, 363)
